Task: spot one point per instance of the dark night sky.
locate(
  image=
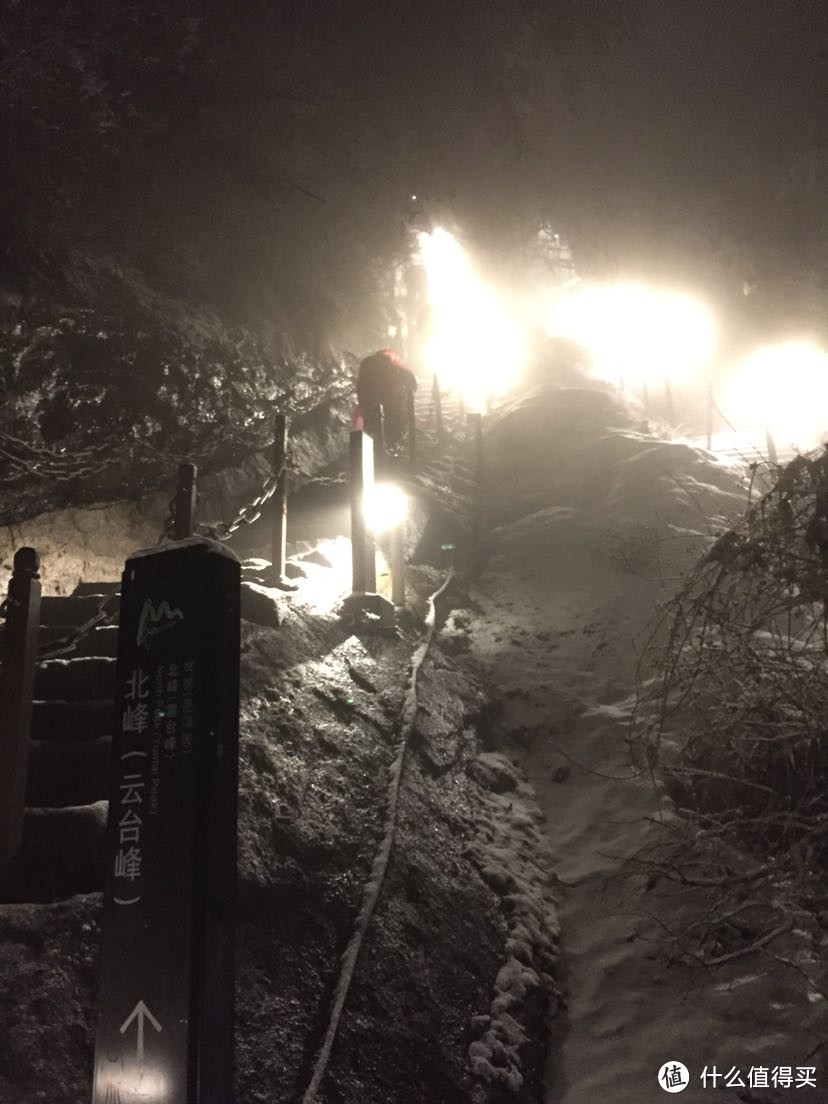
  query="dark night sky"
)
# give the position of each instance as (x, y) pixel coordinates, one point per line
(187, 137)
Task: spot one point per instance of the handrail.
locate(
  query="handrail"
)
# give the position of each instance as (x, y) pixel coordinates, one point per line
(19, 660)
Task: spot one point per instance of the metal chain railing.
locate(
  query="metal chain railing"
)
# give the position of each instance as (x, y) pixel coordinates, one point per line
(108, 607)
(223, 530)
(249, 513)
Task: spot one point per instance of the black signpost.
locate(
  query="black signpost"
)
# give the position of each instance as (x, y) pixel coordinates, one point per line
(165, 1027)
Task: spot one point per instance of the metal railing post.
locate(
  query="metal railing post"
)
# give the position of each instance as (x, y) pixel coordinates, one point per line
(362, 540)
(477, 424)
(184, 503)
(773, 455)
(437, 403)
(278, 531)
(411, 414)
(19, 659)
(709, 417)
(645, 399)
(398, 564)
(476, 421)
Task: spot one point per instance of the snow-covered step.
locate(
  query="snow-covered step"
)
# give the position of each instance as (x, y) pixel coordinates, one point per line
(69, 612)
(75, 679)
(96, 588)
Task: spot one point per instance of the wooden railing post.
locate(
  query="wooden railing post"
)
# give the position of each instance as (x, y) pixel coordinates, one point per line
(19, 659)
(709, 417)
(773, 454)
(397, 536)
(185, 502)
(362, 539)
(437, 403)
(278, 531)
(411, 414)
(476, 421)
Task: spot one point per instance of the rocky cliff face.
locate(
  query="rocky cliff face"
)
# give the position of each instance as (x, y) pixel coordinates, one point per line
(101, 407)
(94, 528)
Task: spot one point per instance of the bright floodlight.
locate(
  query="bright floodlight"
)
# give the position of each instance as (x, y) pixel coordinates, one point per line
(637, 335)
(385, 508)
(474, 345)
(784, 388)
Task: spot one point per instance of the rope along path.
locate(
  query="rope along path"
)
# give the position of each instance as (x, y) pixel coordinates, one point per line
(373, 887)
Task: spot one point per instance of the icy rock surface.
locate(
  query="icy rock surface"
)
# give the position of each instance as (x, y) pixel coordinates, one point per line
(455, 976)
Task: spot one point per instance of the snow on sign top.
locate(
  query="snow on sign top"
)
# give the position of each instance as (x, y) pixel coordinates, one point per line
(189, 542)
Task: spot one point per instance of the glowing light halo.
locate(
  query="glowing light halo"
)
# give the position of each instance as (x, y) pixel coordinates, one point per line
(385, 506)
(636, 334)
(783, 387)
(474, 345)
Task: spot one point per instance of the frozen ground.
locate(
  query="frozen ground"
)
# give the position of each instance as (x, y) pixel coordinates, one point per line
(589, 520)
(594, 520)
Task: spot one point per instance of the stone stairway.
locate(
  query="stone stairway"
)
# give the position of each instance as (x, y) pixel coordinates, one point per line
(64, 827)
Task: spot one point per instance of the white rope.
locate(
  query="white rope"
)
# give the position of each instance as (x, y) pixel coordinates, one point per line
(373, 887)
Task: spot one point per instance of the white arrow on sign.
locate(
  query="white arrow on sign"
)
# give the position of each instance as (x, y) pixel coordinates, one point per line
(139, 1013)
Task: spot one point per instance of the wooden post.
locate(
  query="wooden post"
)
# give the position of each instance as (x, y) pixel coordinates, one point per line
(437, 404)
(16, 688)
(362, 539)
(671, 406)
(773, 455)
(709, 417)
(411, 415)
(477, 422)
(278, 515)
(185, 502)
(398, 564)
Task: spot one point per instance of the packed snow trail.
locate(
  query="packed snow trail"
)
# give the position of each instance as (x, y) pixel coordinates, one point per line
(594, 520)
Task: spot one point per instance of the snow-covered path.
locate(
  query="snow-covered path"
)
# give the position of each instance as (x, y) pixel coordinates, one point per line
(593, 520)
(594, 524)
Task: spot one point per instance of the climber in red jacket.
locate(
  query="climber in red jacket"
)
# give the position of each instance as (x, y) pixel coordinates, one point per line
(384, 381)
